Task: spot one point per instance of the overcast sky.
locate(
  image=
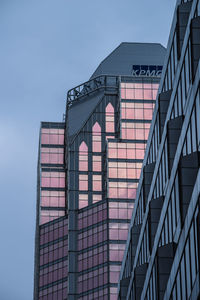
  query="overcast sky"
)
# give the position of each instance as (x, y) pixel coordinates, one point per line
(46, 48)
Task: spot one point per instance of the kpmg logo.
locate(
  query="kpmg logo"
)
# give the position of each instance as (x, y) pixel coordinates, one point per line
(148, 71)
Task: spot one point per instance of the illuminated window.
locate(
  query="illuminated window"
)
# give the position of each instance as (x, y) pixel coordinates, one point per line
(83, 157)
(50, 215)
(83, 182)
(139, 91)
(96, 138)
(52, 198)
(52, 155)
(110, 125)
(122, 190)
(83, 200)
(52, 136)
(53, 179)
(124, 170)
(96, 183)
(96, 198)
(96, 163)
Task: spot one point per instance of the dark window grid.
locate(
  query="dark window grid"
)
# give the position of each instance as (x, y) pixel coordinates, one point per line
(53, 252)
(91, 210)
(53, 236)
(92, 221)
(101, 270)
(54, 286)
(48, 265)
(92, 239)
(53, 276)
(63, 221)
(95, 260)
(48, 244)
(54, 267)
(101, 293)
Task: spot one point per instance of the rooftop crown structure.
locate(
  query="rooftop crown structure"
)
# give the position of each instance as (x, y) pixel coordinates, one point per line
(88, 173)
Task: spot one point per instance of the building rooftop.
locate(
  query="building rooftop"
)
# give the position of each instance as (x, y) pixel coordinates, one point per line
(121, 60)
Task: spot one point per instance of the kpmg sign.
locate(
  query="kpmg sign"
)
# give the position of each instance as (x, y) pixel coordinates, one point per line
(147, 71)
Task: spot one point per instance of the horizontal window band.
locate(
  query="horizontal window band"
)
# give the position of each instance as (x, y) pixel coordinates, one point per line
(121, 200)
(106, 264)
(128, 79)
(53, 222)
(127, 160)
(87, 228)
(136, 101)
(63, 238)
(54, 262)
(55, 167)
(136, 121)
(93, 247)
(123, 180)
(52, 170)
(52, 125)
(51, 146)
(48, 208)
(102, 287)
(53, 189)
(53, 284)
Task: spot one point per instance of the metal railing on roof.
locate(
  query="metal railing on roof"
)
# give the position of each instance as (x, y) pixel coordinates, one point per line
(106, 82)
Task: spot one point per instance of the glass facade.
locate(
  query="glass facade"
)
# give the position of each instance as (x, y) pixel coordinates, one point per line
(87, 185)
(162, 253)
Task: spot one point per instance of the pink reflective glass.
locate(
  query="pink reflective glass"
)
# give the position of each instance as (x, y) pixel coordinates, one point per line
(113, 193)
(96, 166)
(83, 147)
(83, 203)
(83, 185)
(44, 158)
(110, 127)
(112, 153)
(130, 94)
(96, 146)
(139, 94)
(109, 109)
(96, 185)
(122, 193)
(148, 95)
(83, 157)
(61, 139)
(96, 128)
(114, 277)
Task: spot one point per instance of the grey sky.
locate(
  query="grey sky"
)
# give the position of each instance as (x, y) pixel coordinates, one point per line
(48, 47)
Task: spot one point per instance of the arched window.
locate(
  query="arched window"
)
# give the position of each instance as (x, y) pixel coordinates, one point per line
(83, 157)
(110, 122)
(96, 138)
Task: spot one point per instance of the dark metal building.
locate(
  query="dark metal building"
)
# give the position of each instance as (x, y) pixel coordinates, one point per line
(162, 254)
(88, 172)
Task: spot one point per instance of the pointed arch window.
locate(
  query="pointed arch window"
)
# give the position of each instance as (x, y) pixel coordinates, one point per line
(83, 157)
(96, 138)
(110, 120)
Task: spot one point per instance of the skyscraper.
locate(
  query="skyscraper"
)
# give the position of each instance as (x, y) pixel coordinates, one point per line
(162, 255)
(88, 172)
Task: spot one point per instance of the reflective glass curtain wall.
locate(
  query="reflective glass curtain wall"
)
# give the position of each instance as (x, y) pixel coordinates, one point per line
(162, 255)
(88, 172)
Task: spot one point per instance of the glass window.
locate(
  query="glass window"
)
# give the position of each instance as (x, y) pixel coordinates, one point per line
(110, 122)
(96, 138)
(83, 157)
